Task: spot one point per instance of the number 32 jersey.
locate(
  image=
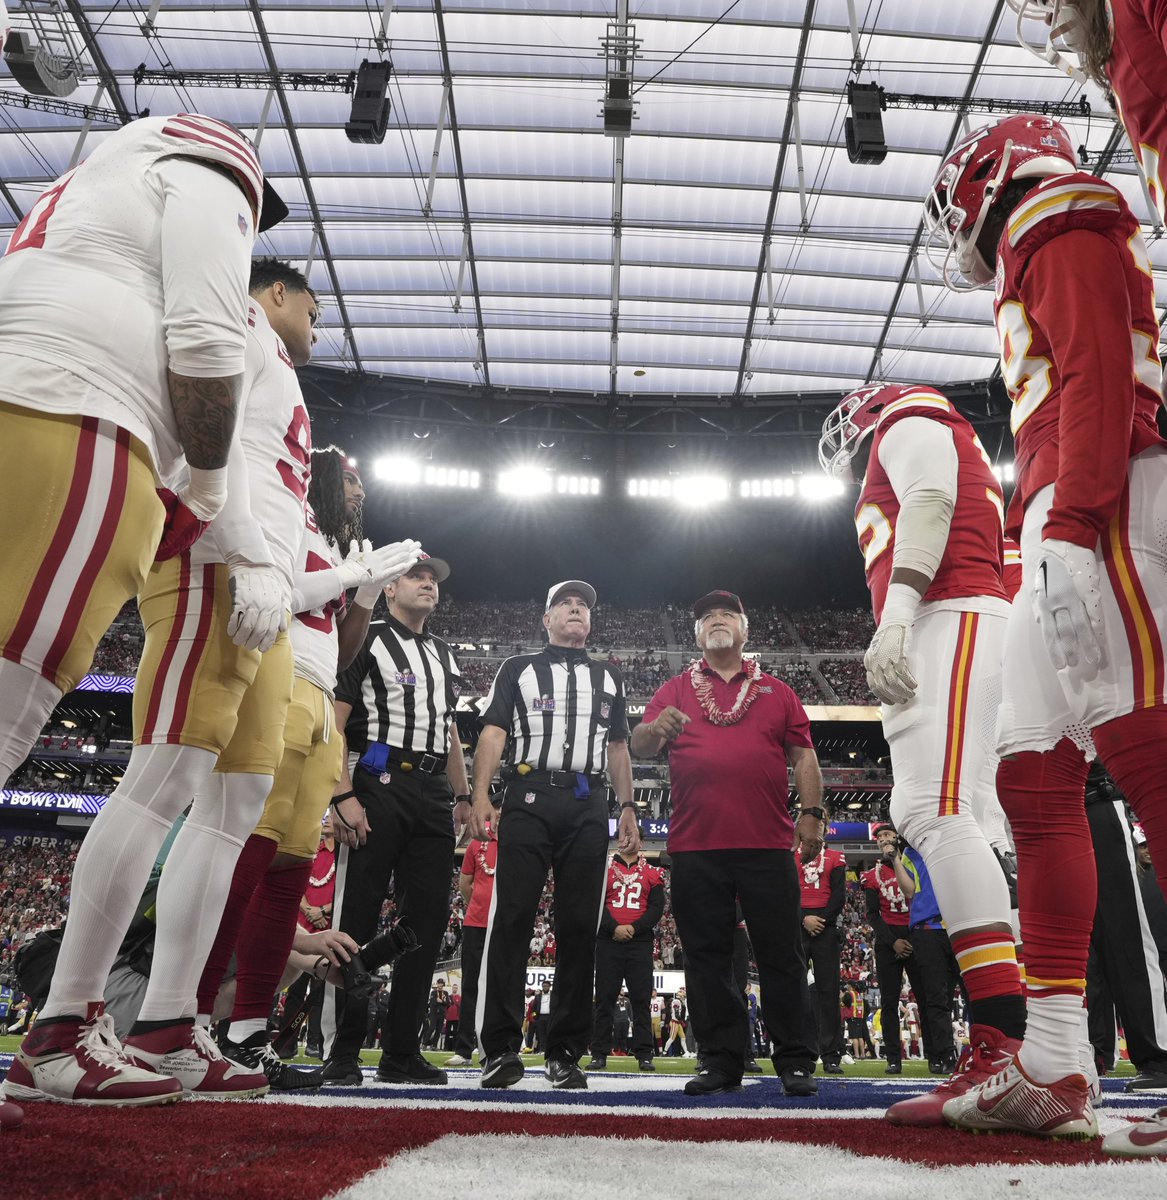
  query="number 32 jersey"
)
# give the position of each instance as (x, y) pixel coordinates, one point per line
(971, 565)
(628, 890)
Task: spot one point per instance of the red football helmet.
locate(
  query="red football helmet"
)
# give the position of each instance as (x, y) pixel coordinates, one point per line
(849, 426)
(1065, 32)
(1025, 146)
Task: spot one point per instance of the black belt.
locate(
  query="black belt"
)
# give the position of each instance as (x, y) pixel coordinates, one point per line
(554, 778)
(429, 764)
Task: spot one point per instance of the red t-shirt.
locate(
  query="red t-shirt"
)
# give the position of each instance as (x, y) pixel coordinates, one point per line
(814, 877)
(321, 884)
(893, 908)
(478, 862)
(729, 783)
(1075, 305)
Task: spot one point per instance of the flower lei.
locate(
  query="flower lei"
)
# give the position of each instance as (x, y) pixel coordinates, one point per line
(482, 861)
(327, 878)
(629, 874)
(703, 686)
(812, 870)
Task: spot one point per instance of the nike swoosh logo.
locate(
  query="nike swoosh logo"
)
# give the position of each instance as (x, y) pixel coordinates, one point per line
(1139, 1138)
(1044, 582)
(986, 1103)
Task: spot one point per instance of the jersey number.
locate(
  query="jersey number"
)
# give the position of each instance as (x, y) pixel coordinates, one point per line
(1028, 379)
(298, 442)
(875, 532)
(627, 894)
(30, 233)
(319, 619)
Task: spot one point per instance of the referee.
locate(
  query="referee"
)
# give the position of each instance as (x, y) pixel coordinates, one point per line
(396, 704)
(565, 719)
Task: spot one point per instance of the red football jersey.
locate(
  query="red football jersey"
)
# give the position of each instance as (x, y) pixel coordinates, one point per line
(814, 877)
(1138, 76)
(479, 861)
(1075, 307)
(1012, 572)
(628, 888)
(971, 565)
(893, 908)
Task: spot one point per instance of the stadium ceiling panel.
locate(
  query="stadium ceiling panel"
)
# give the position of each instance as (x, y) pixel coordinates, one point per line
(498, 241)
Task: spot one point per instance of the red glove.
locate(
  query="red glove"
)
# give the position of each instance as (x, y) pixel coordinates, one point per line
(181, 529)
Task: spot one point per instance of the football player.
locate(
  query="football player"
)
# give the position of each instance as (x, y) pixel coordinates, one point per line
(1079, 346)
(1122, 46)
(271, 875)
(929, 519)
(123, 294)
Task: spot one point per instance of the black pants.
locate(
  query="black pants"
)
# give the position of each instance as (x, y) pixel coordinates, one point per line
(706, 887)
(934, 957)
(552, 829)
(411, 841)
(889, 974)
(617, 963)
(473, 939)
(1123, 973)
(822, 952)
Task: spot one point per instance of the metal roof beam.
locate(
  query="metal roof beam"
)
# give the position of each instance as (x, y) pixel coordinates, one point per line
(456, 142)
(104, 73)
(305, 180)
(775, 192)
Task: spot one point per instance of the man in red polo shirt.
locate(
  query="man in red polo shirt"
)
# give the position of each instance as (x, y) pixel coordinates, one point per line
(822, 878)
(731, 731)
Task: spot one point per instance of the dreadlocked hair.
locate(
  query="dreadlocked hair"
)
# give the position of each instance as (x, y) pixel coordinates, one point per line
(326, 495)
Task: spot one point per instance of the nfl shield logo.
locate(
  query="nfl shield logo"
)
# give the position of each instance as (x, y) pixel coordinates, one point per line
(529, 798)
(243, 225)
(605, 710)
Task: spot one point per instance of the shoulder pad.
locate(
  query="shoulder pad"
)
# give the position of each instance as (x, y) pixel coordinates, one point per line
(920, 402)
(1060, 204)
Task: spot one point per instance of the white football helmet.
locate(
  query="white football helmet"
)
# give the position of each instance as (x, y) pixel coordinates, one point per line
(1065, 33)
(850, 425)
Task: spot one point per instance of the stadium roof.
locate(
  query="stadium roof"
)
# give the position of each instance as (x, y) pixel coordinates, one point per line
(726, 255)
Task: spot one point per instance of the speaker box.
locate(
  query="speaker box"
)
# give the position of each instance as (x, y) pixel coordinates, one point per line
(369, 117)
(864, 127)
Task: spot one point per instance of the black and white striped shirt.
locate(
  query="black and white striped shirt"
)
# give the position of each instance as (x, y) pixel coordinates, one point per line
(560, 708)
(403, 688)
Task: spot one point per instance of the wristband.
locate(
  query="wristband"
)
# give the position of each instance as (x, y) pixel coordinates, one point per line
(206, 491)
(627, 804)
(464, 799)
(813, 812)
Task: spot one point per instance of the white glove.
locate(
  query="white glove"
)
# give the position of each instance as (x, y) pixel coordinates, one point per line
(357, 567)
(388, 563)
(1067, 603)
(886, 660)
(259, 612)
(205, 492)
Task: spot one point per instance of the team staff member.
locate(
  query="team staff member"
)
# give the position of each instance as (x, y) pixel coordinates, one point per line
(151, 235)
(562, 716)
(731, 730)
(396, 703)
(634, 902)
(1075, 311)
(823, 883)
(476, 886)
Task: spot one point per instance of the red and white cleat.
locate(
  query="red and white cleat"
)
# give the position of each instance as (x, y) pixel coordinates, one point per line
(989, 1051)
(188, 1053)
(11, 1116)
(1010, 1100)
(1147, 1139)
(78, 1060)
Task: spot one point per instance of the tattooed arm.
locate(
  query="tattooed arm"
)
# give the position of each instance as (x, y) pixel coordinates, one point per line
(204, 411)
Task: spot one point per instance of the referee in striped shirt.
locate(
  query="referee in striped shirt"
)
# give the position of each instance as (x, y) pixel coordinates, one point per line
(396, 703)
(561, 717)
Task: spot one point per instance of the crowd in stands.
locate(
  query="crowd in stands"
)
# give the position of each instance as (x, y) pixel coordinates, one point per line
(643, 673)
(848, 680)
(798, 674)
(121, 648)
(47, 777)
(34, 892)
(830, 631)
(505, 624)
(769, 627)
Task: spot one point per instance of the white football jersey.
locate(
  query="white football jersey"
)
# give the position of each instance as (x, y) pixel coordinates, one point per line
(315, 644)
(276, 436)
(136, 260)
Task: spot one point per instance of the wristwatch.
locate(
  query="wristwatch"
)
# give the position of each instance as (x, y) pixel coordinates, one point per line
(813, 812)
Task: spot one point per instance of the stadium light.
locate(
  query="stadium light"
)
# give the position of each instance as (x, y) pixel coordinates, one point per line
(451, 477)
(397, 468)
(765, 489)
(525, 481)
(1004, 472)
(404, 471)
(577, 485)
(819, 487)
(692, 491)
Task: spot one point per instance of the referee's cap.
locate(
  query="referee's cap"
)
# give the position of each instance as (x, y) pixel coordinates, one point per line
(559, 590)
(439, 566)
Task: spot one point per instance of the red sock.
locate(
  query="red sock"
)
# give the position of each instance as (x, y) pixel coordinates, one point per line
(988, 964)
(266, 939)
(1044, 797)
(1131, 749)
(254, 860)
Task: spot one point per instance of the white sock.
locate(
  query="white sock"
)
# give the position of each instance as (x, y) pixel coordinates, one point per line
(27, 699)
(1050, 1049)
(114, 865)
(240, 1031)
(193, 890)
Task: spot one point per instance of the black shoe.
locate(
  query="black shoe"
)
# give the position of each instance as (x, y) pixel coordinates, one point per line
(502, 1071)
(414, 1069)
(832, 1067)
(343, 1072)
(752, 1067)
(1147, 1081)
(258, 1054)
(941, 1066)
(565, 1074)
(598, 1063)
(360, 978)
(894, 1068)
(799, 1081)
(646, 1064)
(314, 1050)
(711, 1082)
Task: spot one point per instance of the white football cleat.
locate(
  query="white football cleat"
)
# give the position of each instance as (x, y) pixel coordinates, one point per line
(1146, 1139)
(1010, 1100)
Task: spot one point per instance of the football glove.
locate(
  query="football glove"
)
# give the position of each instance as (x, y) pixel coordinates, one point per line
(259, 607)
(886, 660)
(388, 563)
(181, 528)
(1067, 603)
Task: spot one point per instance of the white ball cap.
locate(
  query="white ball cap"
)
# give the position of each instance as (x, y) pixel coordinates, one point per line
(578, 586)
